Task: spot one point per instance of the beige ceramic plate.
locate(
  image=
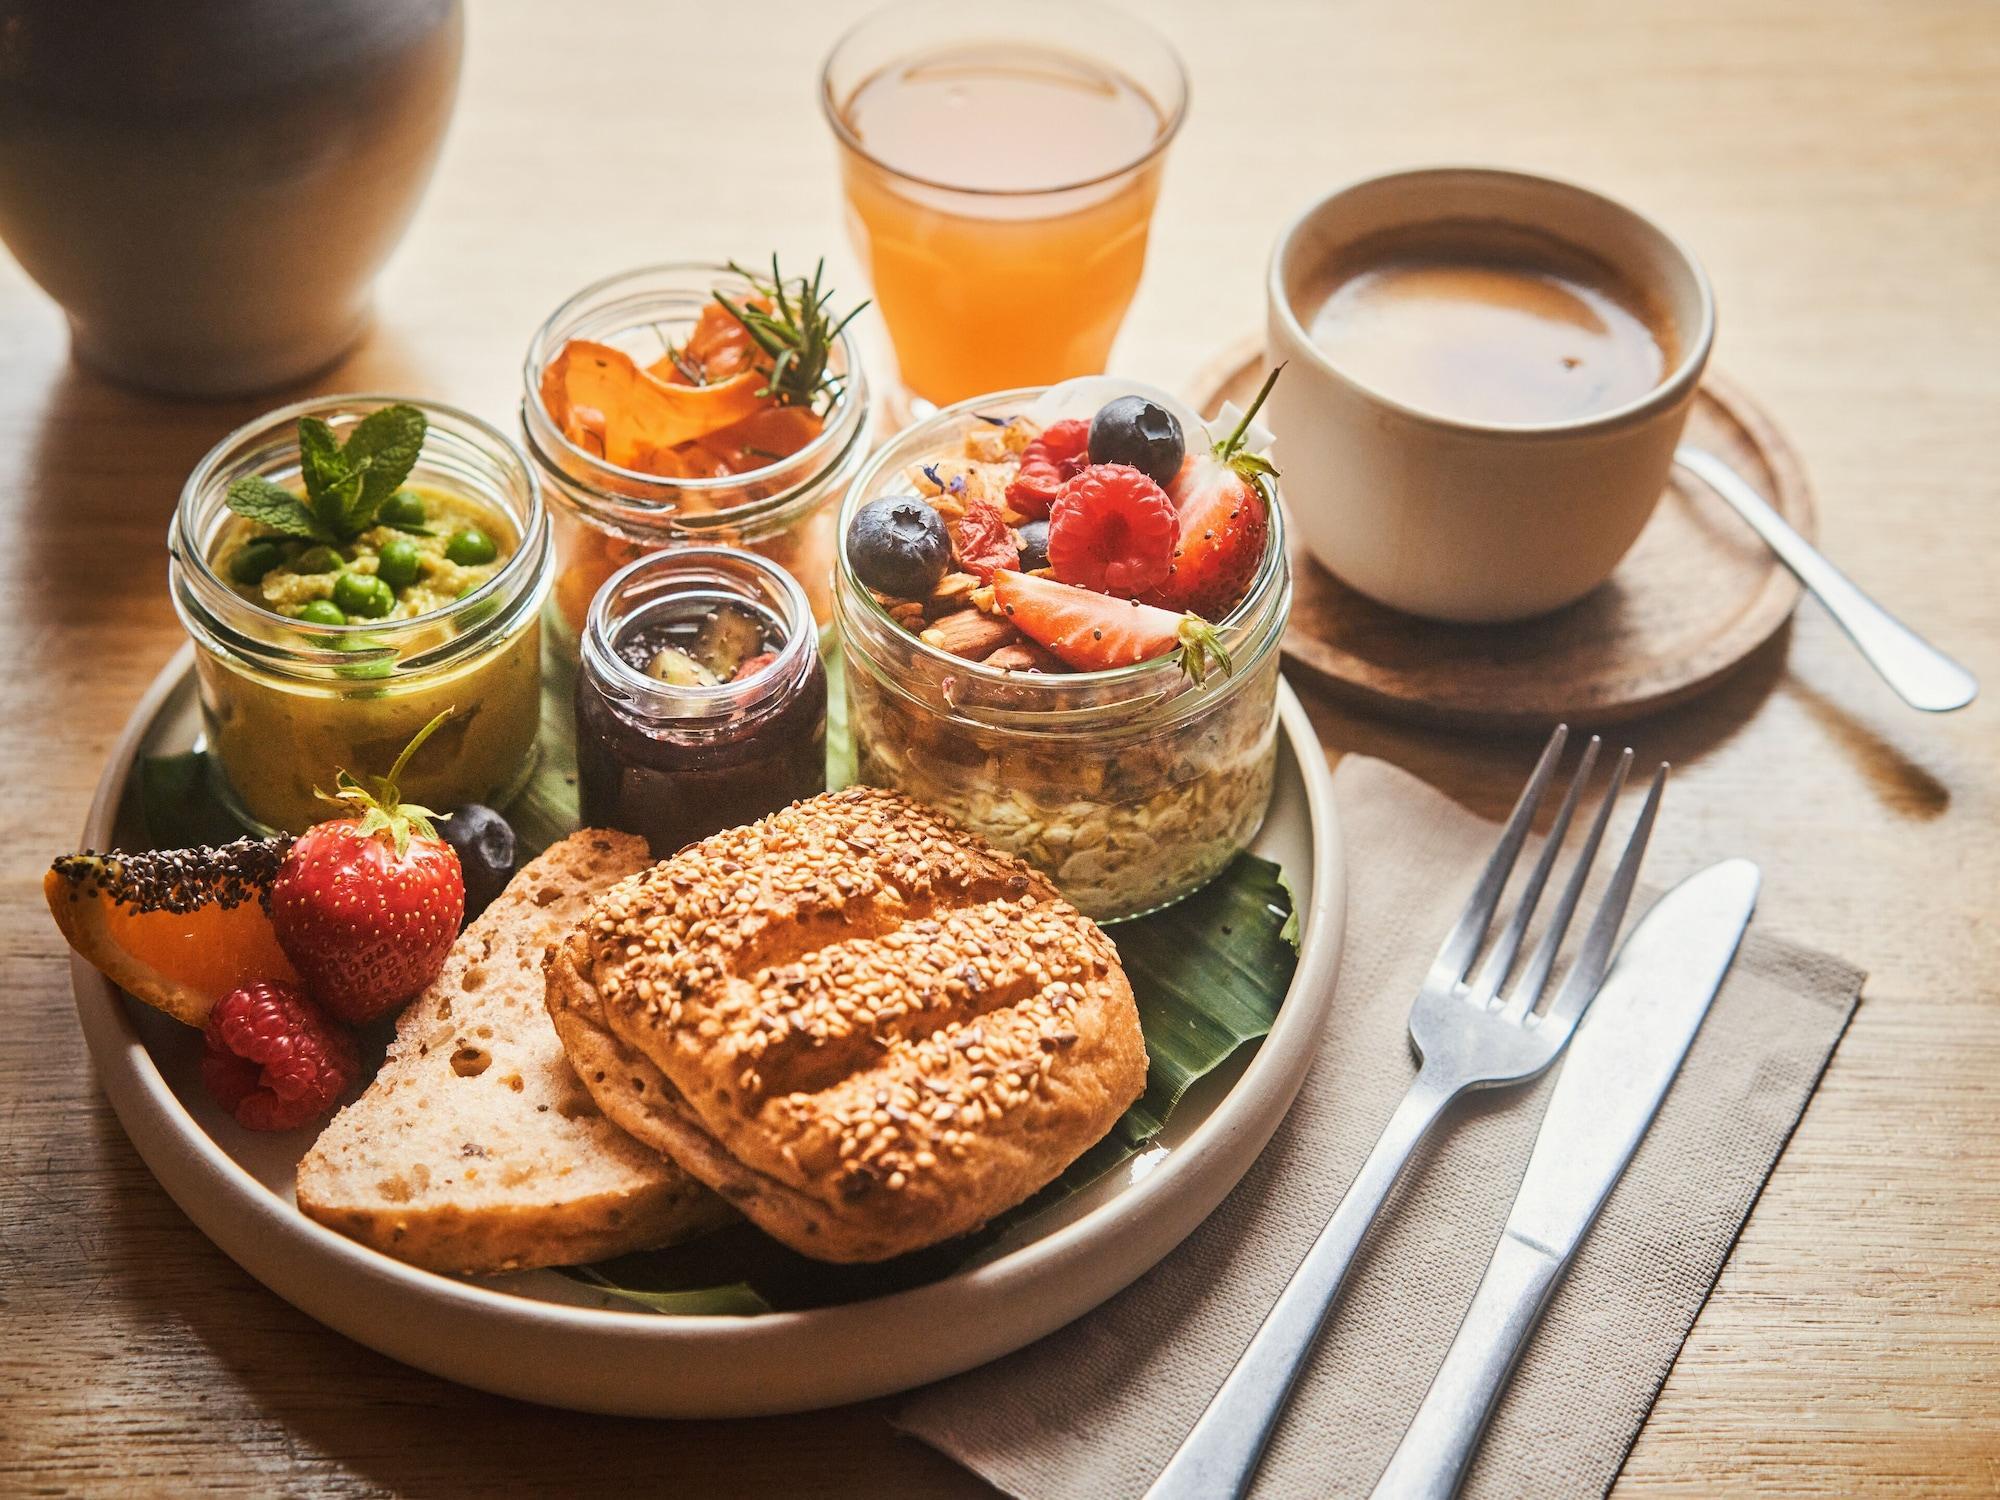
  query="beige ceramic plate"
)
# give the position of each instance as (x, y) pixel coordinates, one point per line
(542, 1337)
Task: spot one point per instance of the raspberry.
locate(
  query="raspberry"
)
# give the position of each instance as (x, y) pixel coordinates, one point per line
(981, 541)
(1112, 529)
(1058, 454)
(274, 1059)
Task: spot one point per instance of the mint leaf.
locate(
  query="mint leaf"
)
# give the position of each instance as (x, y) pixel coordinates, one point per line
(274, 506)
(382, 449)
(321, 463)
(331, 483)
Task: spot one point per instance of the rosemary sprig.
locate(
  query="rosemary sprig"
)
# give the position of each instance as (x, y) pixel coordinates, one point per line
(796, 333)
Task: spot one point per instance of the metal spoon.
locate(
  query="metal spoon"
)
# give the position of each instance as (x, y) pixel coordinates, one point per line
(1923, 676)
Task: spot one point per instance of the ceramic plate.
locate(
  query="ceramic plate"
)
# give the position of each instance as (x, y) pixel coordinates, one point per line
(542, 1337)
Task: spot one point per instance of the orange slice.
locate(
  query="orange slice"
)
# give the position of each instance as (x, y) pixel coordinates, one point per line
(176, 928)
(633, 414)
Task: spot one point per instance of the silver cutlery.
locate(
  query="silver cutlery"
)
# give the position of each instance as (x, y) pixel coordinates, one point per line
(1618, 1070)
(1469, 1031)
(1923, 676)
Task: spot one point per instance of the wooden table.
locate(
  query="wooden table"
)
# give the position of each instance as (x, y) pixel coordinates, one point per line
(1835, 163)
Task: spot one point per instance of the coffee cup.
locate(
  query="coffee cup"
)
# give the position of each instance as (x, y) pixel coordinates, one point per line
(1487, 375)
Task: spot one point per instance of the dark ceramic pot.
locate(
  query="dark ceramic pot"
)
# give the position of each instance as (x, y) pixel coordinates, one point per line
(209, 187)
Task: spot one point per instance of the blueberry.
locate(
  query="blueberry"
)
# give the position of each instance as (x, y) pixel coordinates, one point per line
(486, 853)
(898, 545)
(1142, 433)
(1034, 537)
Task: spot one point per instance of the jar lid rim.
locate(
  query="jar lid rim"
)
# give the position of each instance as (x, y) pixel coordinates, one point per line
(701, 565)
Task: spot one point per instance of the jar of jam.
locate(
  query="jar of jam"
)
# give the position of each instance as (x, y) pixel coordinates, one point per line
(701, 703)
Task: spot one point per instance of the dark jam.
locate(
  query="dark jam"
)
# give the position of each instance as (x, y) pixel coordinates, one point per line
(707, 720)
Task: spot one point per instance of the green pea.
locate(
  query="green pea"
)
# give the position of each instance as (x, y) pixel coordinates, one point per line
(470, 547)
(318, 560)
(399, 564)
(404, 508)
(363, 594)
(323, 612)
(254, 559)
(362, 671)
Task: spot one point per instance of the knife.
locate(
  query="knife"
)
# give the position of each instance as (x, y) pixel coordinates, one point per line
(1622, 1060)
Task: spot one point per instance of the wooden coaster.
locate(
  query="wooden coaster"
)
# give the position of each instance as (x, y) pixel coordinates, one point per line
(1696, 595)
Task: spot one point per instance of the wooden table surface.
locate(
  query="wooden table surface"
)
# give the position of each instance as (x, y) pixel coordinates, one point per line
(1834, 161)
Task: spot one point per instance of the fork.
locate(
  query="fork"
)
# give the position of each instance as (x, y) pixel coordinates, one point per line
(1469, 1031)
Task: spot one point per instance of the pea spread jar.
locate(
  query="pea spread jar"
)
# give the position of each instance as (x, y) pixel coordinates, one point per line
(701, 703)
(603, 516)
(316, 659)
(1130, 788)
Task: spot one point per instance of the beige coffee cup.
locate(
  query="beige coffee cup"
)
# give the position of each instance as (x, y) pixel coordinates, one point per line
(1464, 520)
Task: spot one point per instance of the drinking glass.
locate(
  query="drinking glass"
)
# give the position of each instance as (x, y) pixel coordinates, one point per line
(1000, 171)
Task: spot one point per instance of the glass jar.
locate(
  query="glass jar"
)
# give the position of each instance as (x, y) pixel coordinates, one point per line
(286, 703)
(603, 516)
(1130, 788)
(676, 762)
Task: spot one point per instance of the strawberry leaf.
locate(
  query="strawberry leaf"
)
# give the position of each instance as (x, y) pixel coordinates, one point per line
(382, 809)
(1201, 643)
(1257, 470)
(273, 506)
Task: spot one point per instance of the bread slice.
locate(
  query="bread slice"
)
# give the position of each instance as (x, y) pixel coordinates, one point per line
(476, 1149)
(864, 1027)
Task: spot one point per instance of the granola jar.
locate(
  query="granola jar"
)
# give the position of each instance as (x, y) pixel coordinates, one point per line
(1130, 788)
(286, 701)
(603, 516)
(678, 761)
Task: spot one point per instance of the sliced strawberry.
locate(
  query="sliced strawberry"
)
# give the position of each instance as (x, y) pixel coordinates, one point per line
(1055, 455)
(1224, 525)
(1223, 502)
(1112, 529)
(1093, 632)
(980, 540)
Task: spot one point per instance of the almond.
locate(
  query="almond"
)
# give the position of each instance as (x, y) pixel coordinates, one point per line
(970, 634)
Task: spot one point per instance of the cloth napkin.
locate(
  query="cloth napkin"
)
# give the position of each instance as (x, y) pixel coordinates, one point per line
(1097, 1408)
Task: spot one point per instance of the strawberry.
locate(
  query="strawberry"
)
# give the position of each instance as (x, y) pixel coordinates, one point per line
(1112, 529)
(1223, 499)
(1094, 632)
(1055, 454)
(367, 906)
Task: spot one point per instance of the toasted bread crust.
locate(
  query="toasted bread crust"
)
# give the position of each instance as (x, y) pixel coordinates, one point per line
(475, 1150)
(865, 1028)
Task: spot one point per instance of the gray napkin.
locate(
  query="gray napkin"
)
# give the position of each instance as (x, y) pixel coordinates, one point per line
(1096, 1409)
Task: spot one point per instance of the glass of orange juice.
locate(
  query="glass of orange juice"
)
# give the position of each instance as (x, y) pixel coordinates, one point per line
(1000, 166)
